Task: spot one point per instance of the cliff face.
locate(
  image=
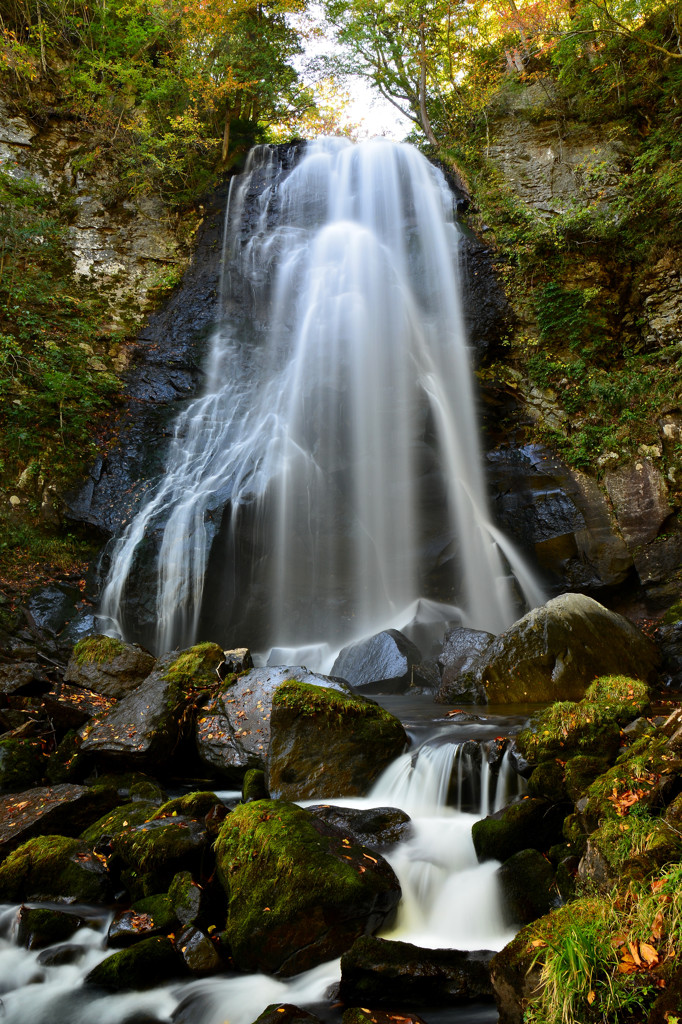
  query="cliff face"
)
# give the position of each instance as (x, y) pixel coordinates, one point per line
(588, 383)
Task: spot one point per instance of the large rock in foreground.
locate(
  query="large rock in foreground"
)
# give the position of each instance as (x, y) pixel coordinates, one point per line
(328, 744)
(299, 891)
(555, 651)
(143, 729)
(381, 972)
(108, 666)
(233, 727)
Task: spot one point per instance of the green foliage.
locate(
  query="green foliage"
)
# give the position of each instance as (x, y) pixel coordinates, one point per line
(95, 650)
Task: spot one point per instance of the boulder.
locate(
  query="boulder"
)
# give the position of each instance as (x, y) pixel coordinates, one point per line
(108, 666)
(286, 1013)
(144, 728)
(54, 867)
(528, 824)
(299, 892)
(145, 919)
(639, 495)
(64, 809)
(382, 663)
(120, 819)
(461, 649)
(362, 1015)
(155, 851)
(525, 882)
(516, 975)
(555, 651)
(376, 827)
(22, 764)
(324, 743)
(45, 926)
(233, 727)
(70, 707)
(381, 972)
(198, 953)
(144, 965)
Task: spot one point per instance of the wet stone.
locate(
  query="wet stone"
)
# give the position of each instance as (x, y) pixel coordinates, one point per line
(198, 952)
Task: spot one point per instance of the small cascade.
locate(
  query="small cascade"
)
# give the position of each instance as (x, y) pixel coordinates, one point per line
(330, 477)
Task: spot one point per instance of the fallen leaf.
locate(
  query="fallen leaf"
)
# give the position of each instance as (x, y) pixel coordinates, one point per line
(591, 996)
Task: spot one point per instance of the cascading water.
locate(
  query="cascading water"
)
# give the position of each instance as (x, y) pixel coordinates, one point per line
(332, 466)
(448, 900)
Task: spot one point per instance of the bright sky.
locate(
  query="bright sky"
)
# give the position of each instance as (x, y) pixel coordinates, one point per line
(377, 115)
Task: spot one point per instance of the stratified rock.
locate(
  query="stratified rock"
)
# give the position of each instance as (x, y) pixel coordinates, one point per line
(639, 495)
(233, 726)
(382, 663)
(63, 809)
(555, 651)
(324, 743)
(298, 892)
(528, 824)
(144, 965)
(109, 666)
(461, 649)
(144, 728)
(52, 867)
(380, 972)
(375, 827)
(525, 882)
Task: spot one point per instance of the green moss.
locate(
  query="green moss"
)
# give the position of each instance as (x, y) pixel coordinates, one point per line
(548, 781)
(94, 650)
(122, 818)
(529, 824)
(581, 771)
(195, 667)
(310, 700)
(254, 786)
(191, 805)
(50, 866)
(161, 910)
(22, 764)
(156, 850)
(66, 763)
(634, 777)
(620, 696)
(673, 614)
(284, 879)
(638, 841)
(185, 897)
(144, 965)
(569, 727)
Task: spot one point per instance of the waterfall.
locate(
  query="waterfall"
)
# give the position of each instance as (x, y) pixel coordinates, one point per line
(330, 474)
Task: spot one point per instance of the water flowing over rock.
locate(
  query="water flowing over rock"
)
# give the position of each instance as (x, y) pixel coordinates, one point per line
(556, 651)
(330, 475)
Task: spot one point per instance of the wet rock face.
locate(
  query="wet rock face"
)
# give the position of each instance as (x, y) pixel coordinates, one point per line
(381, 972)
(63, 809)
(461, 649)
(640, 499)
(326, 744)
(382, 663)
(555, 651)
(299, 892)
(233, 726)
(108, 666)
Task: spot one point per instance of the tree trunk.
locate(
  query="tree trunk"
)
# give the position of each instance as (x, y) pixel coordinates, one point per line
(423, 113)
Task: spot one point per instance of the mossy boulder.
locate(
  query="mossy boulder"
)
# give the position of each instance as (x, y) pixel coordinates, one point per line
(51, 867)
(155, 851)
(191, 902)
(640, 774)
(192, 805)
(324, 743)
(121, 819)
(363, 1015)
(254, 786)
(529, 824)
(547, 782)
(22, 764)
(144, 965)
(148, 917)
(633, 846)
(526, 880)
(39, 927)
(144, 728)
(233, 727)
(381, 972)
(108, 666)
(581, 771)
(286, 1013)
(376, 827)
(515, 974)
(555, 651)
(298, 891)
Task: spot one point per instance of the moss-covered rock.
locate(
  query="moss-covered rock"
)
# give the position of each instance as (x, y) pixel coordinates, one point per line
(286, 1013)
(121, 819)
(144, 965)
(148, 917)
(633, 846)
(254, 786)
(515, 975)
(529, 824)
(190, 901)
(45, 926)
(581, 771)
(567, 728)
(547, 782)
(362, 1015)
(526, 880)
(298, 894)
(639, 774)
(54, 866)
(108, 666)
(191, 805)
(22, 764)
(325, 743)
(556, 650)
(155, 851)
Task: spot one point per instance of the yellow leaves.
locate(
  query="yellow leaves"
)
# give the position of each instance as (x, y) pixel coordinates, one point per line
(591, 996)
(658, 926)
(637, 957)
(622, 802)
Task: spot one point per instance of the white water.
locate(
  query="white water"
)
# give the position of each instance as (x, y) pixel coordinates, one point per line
(338, 417)
(449, 901)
